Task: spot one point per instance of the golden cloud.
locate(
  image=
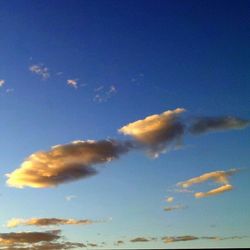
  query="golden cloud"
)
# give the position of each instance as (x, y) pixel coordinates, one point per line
(14, 222)
(215, 191)
(64, 163)
(156, 131)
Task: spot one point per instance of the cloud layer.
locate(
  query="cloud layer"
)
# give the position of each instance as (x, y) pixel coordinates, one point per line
(64, 163)
(156, 131)
(212, 124)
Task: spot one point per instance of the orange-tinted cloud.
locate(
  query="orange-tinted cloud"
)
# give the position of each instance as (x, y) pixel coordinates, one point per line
(156, 131)
(64, 163)
(221, 189)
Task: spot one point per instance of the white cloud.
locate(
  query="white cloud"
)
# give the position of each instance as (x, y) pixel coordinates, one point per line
(40, 70)
(2, 82)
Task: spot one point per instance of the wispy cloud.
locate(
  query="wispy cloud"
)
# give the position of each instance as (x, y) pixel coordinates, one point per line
(157, 131)
(171, 208)
(2, 82)
(219, 190)
(70, 197)
(73, 83)
(40, 70)
(171, 239)
(217, 176)
(64, 163)
(102, 94)
(14, 222)
(213, 124)
(140, 239)
(220, 177)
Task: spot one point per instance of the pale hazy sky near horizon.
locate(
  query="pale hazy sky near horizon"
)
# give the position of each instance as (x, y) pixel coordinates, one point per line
(101, 74)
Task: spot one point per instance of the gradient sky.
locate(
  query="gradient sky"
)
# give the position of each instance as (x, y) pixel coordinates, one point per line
(130, 60)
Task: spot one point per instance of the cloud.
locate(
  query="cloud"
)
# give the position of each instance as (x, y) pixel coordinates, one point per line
(172, 239)
(28, 237)
(64, 163)
(36, 241)
(102, 95)
(170, 199)
(171, 208)
(40, 70)
(216, 176)
(2, 82)
(215, 191)
(73, 83)
(157, 131)
(212, 124)
(47, 222)
(70, 197)
(92, 245)
(140, 239)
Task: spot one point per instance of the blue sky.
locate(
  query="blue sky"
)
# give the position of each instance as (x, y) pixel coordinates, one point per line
(128, 60)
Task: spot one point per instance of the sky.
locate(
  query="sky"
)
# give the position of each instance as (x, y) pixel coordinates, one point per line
(124, 124)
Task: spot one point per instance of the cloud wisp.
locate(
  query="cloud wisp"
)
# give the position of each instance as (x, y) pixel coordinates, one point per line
(157, 131)
(2, 82)
(172, 208)
(214, 124)
(65, 163)
(73, 83)
(42, 222)
(102, 95)
(219, 177)
(40, 70)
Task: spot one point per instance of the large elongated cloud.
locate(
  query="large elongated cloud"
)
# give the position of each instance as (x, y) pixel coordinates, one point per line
(215, 191)
(64, 163)
(156, 131)
(212, 124)
(47, 222)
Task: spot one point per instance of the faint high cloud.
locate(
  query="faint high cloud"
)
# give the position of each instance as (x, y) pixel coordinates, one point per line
(73, 83)
(215, 191)
(212, 124)
(2, 82)
(219, 177)
(70, 197)
(172, 208)
(157, 131)
(64, 163)
(41, 222)
(40, 70)
(102, 94)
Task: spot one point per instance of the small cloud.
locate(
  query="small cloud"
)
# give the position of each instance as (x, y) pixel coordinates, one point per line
(2, 82)
(212, 124)
(9, 90)
(103, 95)
(140, 239)
(70, 197)
(92, 245)
(59, 73)
(156, 132)
(170, 199)
(216, 176)
(46, 222)
(215, 191)
(40, 70)
(73, 83)
(171, 208)
(172, 239)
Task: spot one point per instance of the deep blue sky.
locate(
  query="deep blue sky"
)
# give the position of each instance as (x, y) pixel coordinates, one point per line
(159, 55)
